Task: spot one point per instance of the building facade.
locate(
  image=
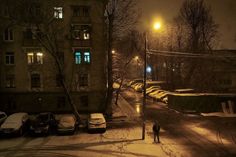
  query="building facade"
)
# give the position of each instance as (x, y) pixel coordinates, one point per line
(29, 78)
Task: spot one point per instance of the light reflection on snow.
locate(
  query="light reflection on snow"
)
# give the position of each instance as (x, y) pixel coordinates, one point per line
(212, 136)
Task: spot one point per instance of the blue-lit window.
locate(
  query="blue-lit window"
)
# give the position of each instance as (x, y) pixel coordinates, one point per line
(86, 57)
(78, 58)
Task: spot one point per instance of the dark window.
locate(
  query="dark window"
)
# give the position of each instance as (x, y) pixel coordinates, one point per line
(84, 100)
(85, 11)
(10, 58)
(8, 34)
(35, 81)
(76, 11)
(83, 80)
(10, 81)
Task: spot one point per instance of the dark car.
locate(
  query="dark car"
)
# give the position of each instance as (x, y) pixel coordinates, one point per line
(44, 123)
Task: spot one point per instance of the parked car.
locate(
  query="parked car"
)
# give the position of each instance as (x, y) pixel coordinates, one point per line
(67, 124)
(44, 123)
(96, 121)
(15, 124)
(135, 81)
(3, 117)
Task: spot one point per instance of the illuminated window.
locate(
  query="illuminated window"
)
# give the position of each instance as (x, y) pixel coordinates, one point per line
(87, 57)
(86, 35)
(35, 57)
(78, 58)
(10, 59)
(58, 12)
(30, 57)
(39, 58)
(10, 81)
(8, 35)
(80, 32)
(35, 81)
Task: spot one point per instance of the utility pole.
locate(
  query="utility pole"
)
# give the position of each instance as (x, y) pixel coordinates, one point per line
(144, 87)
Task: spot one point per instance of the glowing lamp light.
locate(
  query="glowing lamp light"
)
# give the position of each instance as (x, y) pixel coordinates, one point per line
(149, 69)
(157, 25)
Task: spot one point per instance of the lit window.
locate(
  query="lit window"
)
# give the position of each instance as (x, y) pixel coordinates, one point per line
(80, 32)
(10, 81)
(30, 57)
(58, 12)
(87, 57)
(35, 57)
(78, 58)
(8, 35)
(10, 58)
(39, 58)
(35, 81)
(86, 35)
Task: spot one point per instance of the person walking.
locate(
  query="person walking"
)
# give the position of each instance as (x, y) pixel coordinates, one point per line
(156, 130)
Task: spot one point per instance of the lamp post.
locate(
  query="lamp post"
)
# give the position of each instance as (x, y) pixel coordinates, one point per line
(156, 26)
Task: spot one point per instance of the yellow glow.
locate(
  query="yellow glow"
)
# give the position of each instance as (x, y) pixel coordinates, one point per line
(39, 54)
(136, 57)
(113, 51)
(157, 25)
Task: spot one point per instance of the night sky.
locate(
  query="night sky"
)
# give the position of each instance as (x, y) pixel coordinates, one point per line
(223, 11)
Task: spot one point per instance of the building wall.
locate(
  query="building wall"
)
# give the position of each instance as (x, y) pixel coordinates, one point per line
(23, 98)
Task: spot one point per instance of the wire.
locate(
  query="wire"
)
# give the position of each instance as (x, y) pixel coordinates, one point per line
(187, 55)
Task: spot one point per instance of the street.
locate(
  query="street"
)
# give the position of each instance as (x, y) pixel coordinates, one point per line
(189, 134)
(181, 135)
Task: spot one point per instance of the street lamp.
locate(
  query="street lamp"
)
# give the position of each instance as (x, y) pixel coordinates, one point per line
(156, 26)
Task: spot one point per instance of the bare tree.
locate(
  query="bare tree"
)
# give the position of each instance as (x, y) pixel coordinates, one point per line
(127, 48)
(121, 17)
(201, 30)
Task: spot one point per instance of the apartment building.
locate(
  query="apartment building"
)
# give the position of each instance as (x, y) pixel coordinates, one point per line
(29, 78)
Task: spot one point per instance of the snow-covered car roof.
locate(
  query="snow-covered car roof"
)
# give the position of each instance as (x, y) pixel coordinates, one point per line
(96, 115)
(16, 116)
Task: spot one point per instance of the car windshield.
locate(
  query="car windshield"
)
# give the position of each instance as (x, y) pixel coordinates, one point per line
(42, 118)
(67, 119)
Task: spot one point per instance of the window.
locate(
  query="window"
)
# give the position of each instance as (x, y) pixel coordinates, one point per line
(83, 80)
(87, 57)
(81, 32)
(76, 11)
(78, 58)
(10, 58)
(82, 56)
(30, 57)
(35, 81)
(10, 81)
(31, 33)
(35, 57)
(81, 11)
(39, 58)
(5, 11)
(58, 12)
(85, 11)
(8, 34)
